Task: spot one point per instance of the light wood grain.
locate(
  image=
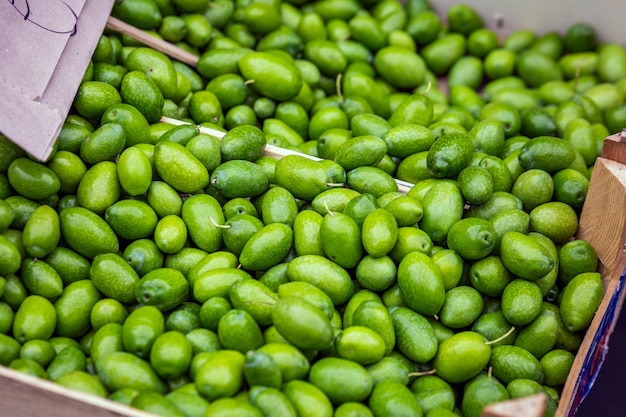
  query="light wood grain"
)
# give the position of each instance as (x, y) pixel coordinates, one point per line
(603, 218)
(167, 48)
(531, 406)
(24, 395)
(614, 147)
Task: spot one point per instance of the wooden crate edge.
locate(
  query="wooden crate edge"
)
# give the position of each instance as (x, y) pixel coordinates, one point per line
(603, 225)
(27, 395)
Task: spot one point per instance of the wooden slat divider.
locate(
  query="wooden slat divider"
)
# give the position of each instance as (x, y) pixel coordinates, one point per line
(167, 48)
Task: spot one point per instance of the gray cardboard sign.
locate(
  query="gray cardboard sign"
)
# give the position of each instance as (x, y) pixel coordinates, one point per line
(45, 48)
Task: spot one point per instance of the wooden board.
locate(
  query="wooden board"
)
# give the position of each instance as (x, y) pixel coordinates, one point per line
(603, 216)
(154, 43)
(614, 147)
(24, 395)
(532, 406)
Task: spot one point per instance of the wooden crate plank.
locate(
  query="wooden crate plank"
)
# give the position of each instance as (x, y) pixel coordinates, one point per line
(614, 147)
(25, 395)
(531, 406)
(603, 218)
(603, 224)
(155, 43)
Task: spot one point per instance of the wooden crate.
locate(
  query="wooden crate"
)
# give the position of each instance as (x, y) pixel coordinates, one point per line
(602, 223)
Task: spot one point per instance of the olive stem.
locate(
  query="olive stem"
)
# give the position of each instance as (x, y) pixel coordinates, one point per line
(338, 87)
(504, 336)
(423, 373)
(220, 226)
(334, 184)
(248, 82)
(328, 209)
(345, 37)
(428, 86)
